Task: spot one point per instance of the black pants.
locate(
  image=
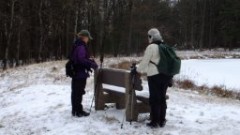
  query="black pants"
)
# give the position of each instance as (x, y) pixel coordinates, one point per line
(78, 90)
(158, 85)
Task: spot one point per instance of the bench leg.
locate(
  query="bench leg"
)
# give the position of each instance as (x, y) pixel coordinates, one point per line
(99, 105)
(120, 103)
(99, 100)
(131, 109)
(133, 117)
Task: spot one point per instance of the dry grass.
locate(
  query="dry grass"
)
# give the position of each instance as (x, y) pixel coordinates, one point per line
(235, 56)
(203, 54)
(219, 91)
(54, 69)
(122, 65)
(185, 84)
(222, 92)
(203, 87)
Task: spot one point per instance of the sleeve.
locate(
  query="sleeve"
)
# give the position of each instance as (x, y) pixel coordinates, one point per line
(142, 67)
(81, 59)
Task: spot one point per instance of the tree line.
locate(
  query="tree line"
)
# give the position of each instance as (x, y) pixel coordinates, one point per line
(39, 30)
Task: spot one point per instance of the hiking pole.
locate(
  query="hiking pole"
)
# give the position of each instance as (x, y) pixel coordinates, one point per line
(133, 75)
(95, 87)
(92, 103)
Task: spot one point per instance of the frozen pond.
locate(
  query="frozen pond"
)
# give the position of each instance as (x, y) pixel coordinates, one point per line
(220, 72)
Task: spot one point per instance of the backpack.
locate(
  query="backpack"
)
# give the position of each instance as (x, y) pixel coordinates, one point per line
(169, 63)
(70, 66)
(70, 70)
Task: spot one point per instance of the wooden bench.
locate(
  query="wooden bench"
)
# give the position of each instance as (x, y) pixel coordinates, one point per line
(126, 98)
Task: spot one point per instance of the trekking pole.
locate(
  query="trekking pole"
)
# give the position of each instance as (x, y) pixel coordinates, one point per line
(93, 98)
(92, 103)
(133, 75)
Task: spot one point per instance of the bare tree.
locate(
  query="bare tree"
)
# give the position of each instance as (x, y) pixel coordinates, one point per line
(131, 3)
(76, 19)
(203, 23)
(9, 33)
(40, 30)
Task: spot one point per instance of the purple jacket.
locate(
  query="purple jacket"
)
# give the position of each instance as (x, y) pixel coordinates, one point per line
(82, 61)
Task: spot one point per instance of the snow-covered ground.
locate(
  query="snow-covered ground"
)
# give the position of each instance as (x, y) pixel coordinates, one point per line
(212, 72)
(36, 100)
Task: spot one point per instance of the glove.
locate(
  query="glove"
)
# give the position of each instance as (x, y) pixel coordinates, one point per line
(134, 69)
(170, 84)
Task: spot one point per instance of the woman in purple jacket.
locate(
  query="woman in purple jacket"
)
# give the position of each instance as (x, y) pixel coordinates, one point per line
(83, 65)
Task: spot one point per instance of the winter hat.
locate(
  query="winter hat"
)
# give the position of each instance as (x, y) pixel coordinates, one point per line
(85, 33)
(154, 35)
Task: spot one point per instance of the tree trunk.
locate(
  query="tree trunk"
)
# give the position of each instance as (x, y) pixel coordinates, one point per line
(130, 27)
(201, 43)
(193, 25)
(18, 47)
(67, 18)
(101, 33)
(19, 38)
(41, 31)
(75, 22)
(212, 23)
(9, 33)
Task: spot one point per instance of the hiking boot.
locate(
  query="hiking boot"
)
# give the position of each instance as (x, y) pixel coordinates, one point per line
(152, 125)
(83, 113)
(74, 113)
(162, 124)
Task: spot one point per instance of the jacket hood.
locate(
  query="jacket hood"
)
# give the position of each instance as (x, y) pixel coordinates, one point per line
(154, 35)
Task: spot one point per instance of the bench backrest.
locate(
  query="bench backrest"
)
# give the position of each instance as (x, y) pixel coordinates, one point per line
(118, 77)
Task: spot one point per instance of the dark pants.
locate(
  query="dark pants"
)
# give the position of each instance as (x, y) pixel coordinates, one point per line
(78, 90)
(158, 85)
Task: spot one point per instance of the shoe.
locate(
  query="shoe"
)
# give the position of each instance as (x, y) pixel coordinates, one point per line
(152, 125)
(74, 113)
(162, 124)
(83, 113)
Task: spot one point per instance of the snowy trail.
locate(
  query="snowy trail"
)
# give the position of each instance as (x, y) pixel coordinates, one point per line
(40, 105)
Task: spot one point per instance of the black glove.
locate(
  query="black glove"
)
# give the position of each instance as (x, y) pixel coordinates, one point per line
(89, 70)
(134, 69)
(170, 83)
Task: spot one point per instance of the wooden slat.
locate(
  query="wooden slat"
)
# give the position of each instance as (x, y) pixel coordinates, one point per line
(143, 99)
(114, 92)
(117, 77)
(113, 77)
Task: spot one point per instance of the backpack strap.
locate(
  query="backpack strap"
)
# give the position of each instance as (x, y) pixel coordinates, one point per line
(153, 63)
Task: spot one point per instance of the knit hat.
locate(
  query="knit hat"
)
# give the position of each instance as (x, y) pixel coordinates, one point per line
(85, 33)
(154, 35)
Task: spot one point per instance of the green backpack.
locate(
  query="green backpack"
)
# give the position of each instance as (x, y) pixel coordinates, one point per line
(169, 63)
